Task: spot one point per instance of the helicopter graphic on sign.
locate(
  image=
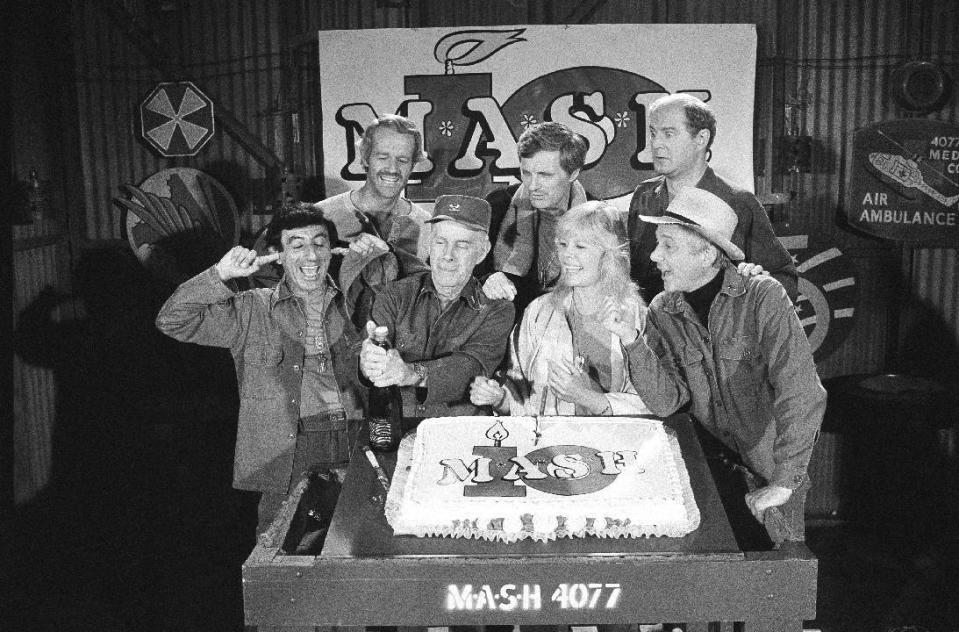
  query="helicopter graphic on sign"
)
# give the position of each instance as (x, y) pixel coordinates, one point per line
(907, 173)
(905, 182)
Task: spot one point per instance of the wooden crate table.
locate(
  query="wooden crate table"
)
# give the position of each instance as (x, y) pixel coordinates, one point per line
(364, 575)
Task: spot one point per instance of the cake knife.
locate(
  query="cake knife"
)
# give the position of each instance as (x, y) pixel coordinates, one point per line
(380, 474)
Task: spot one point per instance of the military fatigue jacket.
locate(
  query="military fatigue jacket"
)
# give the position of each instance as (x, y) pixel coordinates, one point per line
(749, 378)
(264, 330)
(456, 343)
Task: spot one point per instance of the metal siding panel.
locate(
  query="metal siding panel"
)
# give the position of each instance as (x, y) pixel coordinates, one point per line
(846, 50)
(434, 13)
(34, 386)
(934, 282)
(81, 26)
(112, 160)
(96, 217)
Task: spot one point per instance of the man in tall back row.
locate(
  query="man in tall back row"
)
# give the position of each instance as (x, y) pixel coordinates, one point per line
(682, 129)
(524, 261)
(377, 216)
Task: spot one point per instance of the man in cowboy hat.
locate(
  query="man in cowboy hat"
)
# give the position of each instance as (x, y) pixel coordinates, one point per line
(445, 331)
(731, 347)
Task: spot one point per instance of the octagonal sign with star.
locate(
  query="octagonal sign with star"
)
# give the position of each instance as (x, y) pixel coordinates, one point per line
(176, 119)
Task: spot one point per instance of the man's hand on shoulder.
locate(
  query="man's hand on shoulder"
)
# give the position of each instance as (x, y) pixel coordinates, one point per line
(242, 262)
(498, 285)
(760, 500)
(748, 269)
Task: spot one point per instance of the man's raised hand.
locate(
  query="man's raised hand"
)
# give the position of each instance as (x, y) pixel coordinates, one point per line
(367, 244)
(619, 318)
(242, 262)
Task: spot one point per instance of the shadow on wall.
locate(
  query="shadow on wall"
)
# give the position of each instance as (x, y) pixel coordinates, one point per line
(927, 347)
(896, 426)
(139, 516)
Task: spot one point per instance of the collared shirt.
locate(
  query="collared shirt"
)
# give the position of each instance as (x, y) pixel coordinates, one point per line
(320, 392)
(526, 244)
(545, 337)
(405, 229)
(754, 232)
(264, 329)
(466, 338)
(749, 377)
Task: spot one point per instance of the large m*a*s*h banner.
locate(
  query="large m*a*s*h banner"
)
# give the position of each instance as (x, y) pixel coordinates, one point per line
(473, 91)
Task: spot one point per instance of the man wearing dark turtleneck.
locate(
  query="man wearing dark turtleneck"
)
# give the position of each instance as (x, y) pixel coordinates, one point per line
(701, 299)
(731, 348)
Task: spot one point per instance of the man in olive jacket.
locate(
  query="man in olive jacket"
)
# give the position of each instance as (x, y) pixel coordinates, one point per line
(731, 349)
(295, 351)
(444, 328)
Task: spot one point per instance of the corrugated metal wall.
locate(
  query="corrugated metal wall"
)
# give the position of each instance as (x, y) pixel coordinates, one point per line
(230, 50)
(41, 237)
(836, 83)
(933, 271)
(845, 52)
(825, 63)
(35, 382)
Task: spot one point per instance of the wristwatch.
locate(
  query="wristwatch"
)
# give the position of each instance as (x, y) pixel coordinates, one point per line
(420, 369)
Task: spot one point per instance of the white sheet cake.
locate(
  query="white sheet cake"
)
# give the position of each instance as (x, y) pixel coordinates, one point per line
(494, 478)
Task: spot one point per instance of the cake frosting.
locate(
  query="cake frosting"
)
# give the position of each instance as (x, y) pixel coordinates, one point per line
(510, 478)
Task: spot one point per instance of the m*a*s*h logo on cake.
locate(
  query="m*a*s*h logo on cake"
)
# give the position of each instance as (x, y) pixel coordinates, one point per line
(563, 470)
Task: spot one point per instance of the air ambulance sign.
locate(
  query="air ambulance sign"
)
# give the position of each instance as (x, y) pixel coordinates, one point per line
(905, 182)
(474, 91)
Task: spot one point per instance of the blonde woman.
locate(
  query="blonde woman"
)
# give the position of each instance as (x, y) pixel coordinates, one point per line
(563, 359)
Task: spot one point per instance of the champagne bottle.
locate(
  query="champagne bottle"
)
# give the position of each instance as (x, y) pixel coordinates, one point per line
(384, 407)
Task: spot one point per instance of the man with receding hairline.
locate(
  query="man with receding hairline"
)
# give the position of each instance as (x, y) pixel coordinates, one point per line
(681, 131)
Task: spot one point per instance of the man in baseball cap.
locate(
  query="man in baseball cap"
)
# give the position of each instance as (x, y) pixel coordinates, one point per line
(731, 347)
(467, 210)
(444, 329)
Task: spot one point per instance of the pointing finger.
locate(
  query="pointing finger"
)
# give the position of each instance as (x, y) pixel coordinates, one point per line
(265, 259)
